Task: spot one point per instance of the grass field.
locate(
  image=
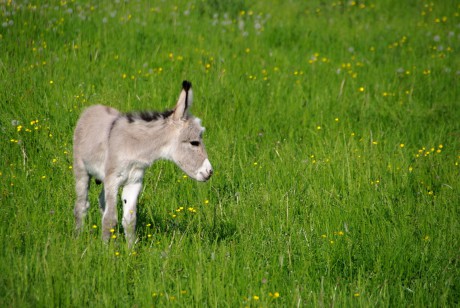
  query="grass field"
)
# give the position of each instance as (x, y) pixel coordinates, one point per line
(333, 128)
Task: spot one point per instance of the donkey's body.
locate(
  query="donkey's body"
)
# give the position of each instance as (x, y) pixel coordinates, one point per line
(116, 148)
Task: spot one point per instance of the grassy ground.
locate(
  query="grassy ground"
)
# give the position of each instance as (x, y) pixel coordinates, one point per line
(333, 128)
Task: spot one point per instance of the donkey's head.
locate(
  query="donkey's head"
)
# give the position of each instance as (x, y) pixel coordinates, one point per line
(188, 150)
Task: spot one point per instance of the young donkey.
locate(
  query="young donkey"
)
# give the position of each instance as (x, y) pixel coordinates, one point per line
(116, 148)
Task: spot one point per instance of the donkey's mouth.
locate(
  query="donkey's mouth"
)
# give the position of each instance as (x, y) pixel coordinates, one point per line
(203, 177)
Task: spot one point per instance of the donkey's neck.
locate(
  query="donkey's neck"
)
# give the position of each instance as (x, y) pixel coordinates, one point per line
(146, 141)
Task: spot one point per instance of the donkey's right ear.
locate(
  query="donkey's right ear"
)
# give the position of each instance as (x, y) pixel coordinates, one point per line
(184, 102)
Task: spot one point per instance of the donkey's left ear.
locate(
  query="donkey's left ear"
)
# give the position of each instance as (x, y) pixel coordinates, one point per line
(184, 102)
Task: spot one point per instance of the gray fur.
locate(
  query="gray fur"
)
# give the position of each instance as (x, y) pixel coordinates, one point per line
(116, 148)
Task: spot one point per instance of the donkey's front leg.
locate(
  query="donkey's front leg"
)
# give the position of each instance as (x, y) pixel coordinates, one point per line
(129, 199)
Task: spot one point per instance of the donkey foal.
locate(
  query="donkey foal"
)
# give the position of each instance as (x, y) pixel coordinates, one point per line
(116, 148)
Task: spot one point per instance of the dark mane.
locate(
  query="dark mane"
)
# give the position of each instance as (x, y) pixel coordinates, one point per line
(147, 116)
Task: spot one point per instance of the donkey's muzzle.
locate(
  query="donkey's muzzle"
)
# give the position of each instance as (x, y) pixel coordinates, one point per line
(205, 171)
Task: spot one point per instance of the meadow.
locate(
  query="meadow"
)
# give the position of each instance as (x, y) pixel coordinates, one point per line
(333, 128)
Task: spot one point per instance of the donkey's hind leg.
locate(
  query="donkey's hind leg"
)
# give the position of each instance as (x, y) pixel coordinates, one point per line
(110, 215)
(82, 180)
(102, 201)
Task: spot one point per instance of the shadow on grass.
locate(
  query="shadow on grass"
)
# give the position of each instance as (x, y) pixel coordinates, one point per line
(151, 225)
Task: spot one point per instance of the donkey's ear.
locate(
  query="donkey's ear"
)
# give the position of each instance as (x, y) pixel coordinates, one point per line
(184, 102)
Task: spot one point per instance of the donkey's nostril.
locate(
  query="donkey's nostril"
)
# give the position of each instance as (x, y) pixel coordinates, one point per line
(210, 172)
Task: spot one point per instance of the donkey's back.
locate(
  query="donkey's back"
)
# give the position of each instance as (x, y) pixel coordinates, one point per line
(91, 137)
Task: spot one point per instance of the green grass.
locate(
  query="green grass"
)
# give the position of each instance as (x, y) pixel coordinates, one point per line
(333, 129)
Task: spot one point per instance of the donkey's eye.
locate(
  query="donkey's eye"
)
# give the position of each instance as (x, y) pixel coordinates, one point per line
(195, 143)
